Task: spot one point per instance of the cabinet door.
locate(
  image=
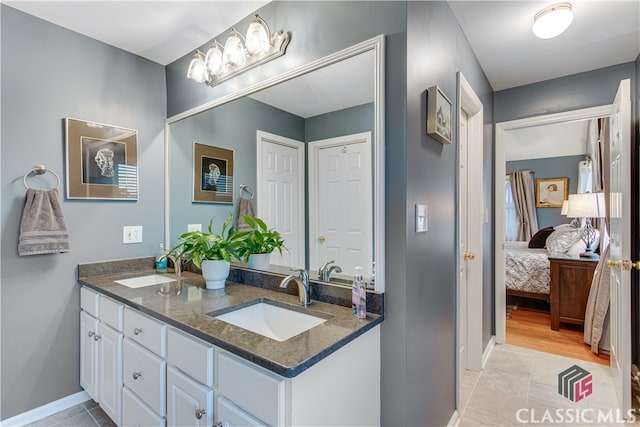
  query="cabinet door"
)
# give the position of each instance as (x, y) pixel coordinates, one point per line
(89, 354)
(136, 413)
(145, 374)
(189, 403)
(110, 379)
(232, 416)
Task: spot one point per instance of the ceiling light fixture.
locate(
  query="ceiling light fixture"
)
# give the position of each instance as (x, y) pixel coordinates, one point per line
(552, 21)
(239, 53)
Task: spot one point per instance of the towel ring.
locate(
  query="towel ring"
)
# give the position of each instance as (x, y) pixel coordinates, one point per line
(39, 170)
(244, 187)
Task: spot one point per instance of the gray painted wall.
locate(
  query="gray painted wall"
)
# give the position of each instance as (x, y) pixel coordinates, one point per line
(553, 167)
(232, 126)
(437, 49)
(49, 73)
(338, 123)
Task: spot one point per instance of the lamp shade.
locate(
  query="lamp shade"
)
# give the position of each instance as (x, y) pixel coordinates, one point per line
(552, 21)
(258, 39)
(234, 49)
(196, 71)
(213, 60)
(586, 205)
(565, 208)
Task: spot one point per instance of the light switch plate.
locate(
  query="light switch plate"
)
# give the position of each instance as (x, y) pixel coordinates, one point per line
(422, 218)
(131, 234)
(194, 227)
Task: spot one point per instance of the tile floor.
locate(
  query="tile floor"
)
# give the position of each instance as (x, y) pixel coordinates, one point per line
(518, 381)
(514, 379)
(87, 414)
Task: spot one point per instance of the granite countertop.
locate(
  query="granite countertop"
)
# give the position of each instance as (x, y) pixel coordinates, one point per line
(185, 304)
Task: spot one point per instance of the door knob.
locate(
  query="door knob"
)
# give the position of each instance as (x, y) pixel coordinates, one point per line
(614, 264)
(321, 239)
(200, 413)
(469, 256)
(136, 375)
(627, 265)
(137, 331)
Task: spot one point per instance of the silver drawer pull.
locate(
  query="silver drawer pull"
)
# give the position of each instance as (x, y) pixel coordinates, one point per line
(91, 333)
(137, 375)
(96, 337)
(137, 331)
(200, 413)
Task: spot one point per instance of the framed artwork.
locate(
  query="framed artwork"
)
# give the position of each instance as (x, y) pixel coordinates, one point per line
(102, 161)
(212, 174)
(551, 192)
(439, 113)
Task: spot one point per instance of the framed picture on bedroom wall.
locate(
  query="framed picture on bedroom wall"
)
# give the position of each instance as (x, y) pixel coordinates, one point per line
(551, 192)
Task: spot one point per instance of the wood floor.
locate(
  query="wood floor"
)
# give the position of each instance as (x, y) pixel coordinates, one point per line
(529, 326)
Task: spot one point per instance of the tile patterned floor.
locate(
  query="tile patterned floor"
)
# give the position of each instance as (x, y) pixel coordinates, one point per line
(515, 379)
(87, 414)
(518, 381)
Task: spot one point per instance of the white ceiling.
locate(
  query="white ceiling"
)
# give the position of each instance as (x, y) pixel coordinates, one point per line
(540, 142)
(603, 33)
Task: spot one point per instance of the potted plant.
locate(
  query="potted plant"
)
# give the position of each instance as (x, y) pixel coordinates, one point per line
(259, 243)
(211, 252)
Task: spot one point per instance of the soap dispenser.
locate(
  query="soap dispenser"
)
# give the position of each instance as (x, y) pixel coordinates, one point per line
(359, 296)
(161, 259)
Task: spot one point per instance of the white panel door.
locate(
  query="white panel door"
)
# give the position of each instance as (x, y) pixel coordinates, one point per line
(463, 138)
(340, 203)
(189, 403)
(620, 245)
(110, 379)
(280, 194)
(89, 354)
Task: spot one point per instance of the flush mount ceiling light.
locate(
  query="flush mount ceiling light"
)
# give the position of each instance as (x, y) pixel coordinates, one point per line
(552, 21)
(238, 54)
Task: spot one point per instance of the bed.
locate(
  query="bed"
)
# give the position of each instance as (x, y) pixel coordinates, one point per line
(526, 271)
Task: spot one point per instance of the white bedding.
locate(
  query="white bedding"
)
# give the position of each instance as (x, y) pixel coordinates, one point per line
(526, 269)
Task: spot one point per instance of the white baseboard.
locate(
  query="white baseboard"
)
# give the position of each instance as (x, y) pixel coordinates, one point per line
(455, 419)
(488, 349)
(44, 411)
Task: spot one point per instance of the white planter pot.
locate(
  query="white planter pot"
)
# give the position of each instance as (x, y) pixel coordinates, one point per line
(259, 261)
(215, 273)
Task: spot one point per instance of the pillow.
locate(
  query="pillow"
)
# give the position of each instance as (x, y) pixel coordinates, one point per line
(539, 239)
(563, 238)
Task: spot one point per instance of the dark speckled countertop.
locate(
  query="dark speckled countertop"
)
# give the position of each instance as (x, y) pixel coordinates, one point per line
(186, 303)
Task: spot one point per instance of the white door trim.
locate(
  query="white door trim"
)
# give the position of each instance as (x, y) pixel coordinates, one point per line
(470, 103)
(500, 171)
(300, 211)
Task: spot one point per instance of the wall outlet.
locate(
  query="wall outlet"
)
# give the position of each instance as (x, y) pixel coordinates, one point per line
(131, 234)
(194, 227)
(421, 218)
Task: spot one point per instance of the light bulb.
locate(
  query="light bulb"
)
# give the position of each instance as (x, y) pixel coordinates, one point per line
(197, 71)
(213, 60)
(552, 21)
(233, 49)
(258, 37)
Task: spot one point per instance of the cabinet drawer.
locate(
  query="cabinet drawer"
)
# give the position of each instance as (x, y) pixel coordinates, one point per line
(253, 389)
(111, 312)
(89, 301)
(136, 413)
(146, 331)
(230, 415)
(145, 374)
(191, 355)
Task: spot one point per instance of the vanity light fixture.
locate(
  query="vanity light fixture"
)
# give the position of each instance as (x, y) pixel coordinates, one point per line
(238, 54)
(552, 21)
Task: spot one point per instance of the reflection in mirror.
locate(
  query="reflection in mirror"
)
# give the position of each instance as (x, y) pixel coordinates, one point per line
(310, 149)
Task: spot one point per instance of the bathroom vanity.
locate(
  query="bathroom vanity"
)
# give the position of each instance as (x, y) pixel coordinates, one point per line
(157, 355)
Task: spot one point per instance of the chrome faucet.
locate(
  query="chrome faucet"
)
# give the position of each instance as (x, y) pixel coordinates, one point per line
(325, 271)
(302, 280)
(176, 259)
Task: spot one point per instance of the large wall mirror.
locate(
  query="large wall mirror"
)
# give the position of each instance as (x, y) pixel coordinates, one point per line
(309, 147)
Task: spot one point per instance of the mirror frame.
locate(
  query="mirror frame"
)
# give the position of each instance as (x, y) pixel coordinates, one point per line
(376, 44)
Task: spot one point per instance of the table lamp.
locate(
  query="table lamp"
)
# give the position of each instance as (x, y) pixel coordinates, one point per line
(587, 206)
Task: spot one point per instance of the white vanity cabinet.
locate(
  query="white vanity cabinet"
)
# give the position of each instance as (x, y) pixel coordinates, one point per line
(101, 321)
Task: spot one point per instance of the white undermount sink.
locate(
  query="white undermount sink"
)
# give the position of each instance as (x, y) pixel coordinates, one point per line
(141, 282)
(271, 321)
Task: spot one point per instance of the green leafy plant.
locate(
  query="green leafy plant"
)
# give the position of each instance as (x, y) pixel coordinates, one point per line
(259, 239)
(198, 246)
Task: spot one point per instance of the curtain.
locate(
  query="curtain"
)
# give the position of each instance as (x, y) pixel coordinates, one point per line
(597, 309)
(511, 218)
(523, 188)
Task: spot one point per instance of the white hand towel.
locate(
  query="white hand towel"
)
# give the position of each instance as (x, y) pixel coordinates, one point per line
(43, 229)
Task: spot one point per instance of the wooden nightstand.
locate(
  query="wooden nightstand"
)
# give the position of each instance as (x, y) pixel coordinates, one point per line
(570, 284)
